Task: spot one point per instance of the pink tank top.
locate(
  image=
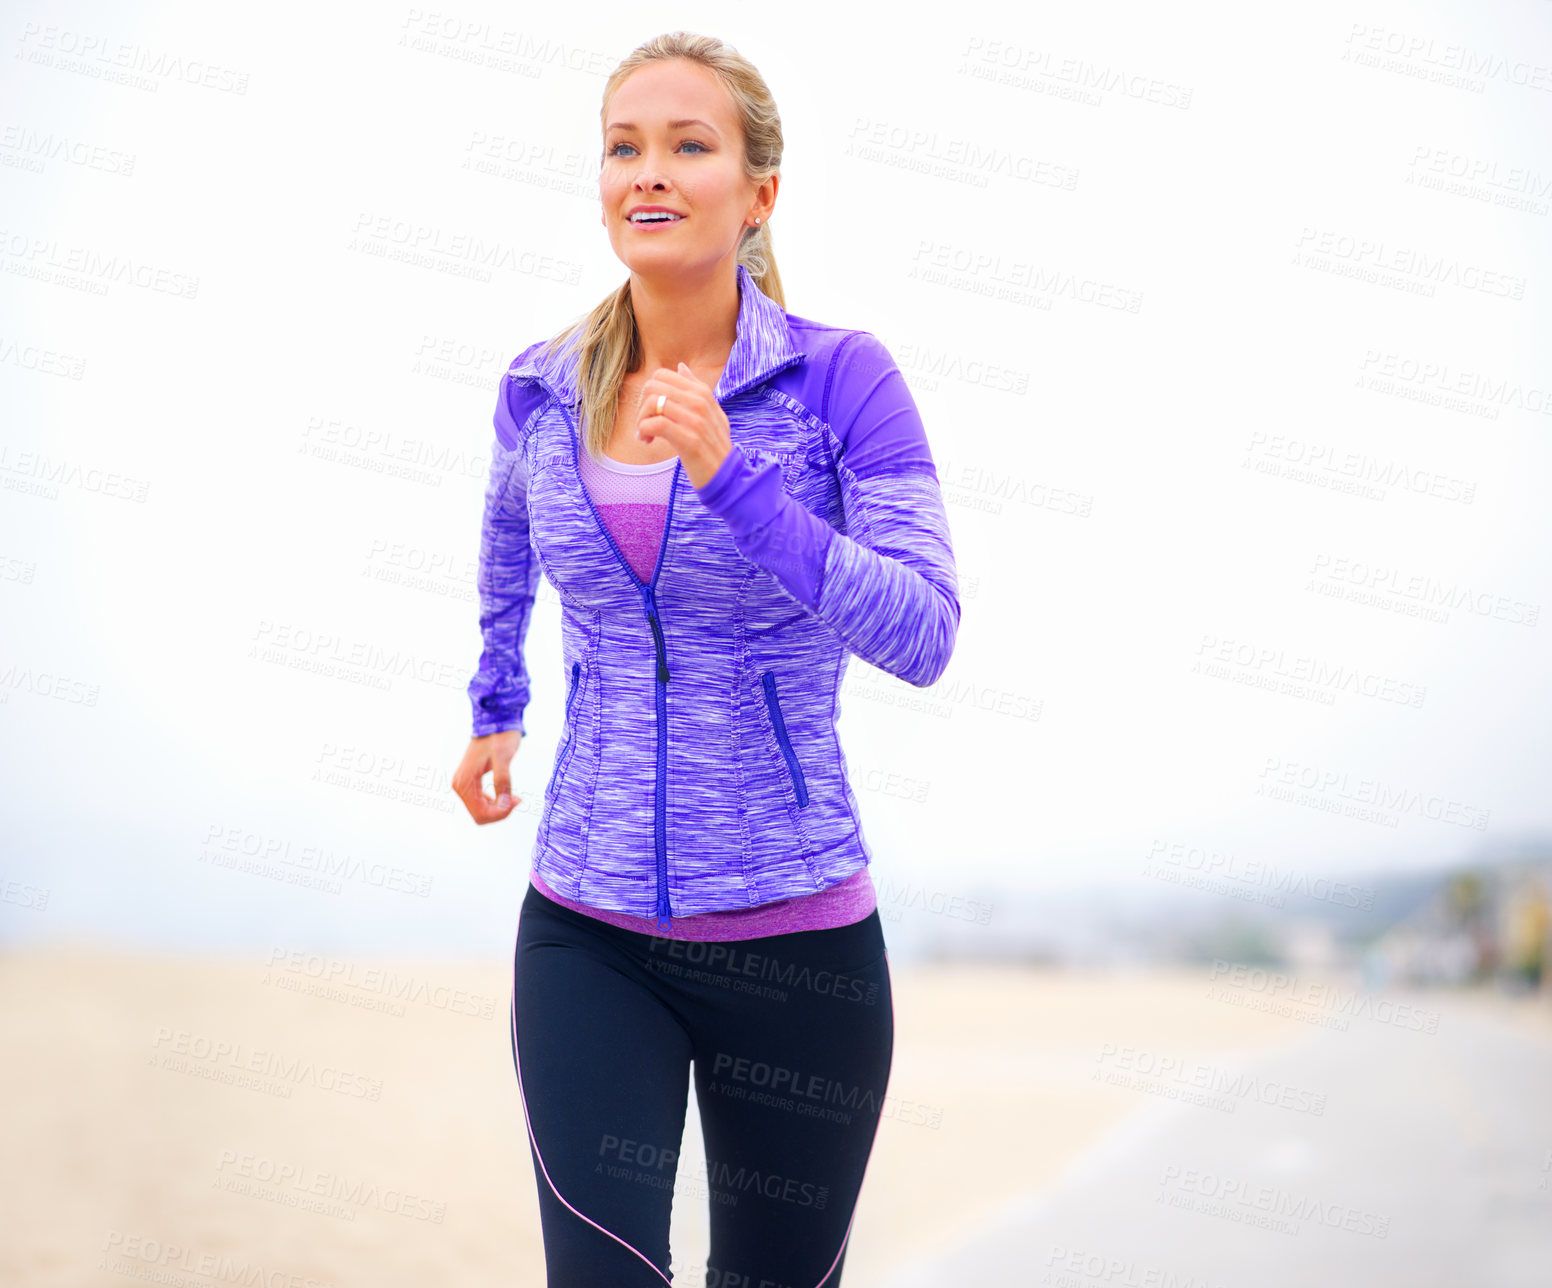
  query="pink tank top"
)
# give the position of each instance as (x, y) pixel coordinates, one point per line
(632, 500)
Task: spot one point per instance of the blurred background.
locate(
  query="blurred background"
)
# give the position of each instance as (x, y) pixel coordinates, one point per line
(1216, 869)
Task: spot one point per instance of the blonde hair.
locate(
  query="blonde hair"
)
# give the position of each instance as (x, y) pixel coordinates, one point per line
(606, 339)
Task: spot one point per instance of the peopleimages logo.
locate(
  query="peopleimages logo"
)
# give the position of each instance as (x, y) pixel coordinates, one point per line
(1281, 777)
(1264, 1205)
(230, 1061)
(327, 1193)
(729, 960)
(1288, 990)
(1229, 866)
(776, 1077)
(1212, 1086)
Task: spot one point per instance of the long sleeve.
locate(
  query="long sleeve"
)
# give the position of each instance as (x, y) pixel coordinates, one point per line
(507, 578)
(888, 585)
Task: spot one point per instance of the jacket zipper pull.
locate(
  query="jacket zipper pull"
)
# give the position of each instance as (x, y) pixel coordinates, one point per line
(657, 636)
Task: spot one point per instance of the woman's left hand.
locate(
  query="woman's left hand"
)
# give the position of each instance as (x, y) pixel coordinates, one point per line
(693, 421)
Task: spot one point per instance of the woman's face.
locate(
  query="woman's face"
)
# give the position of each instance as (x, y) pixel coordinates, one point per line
(694, 168)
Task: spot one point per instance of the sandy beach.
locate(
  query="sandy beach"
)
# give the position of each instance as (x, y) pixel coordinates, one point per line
(358, 1123)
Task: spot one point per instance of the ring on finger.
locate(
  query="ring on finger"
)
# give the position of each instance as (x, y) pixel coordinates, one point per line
(662, 401)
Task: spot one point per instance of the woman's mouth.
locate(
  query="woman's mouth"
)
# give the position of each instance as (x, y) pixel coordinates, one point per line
(654, 219)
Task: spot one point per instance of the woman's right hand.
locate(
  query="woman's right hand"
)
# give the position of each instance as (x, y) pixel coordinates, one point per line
(493, 753)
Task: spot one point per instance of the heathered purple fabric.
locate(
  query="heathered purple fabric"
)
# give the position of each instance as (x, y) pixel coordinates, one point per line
(822, 535)
(842, 904)
(632, 500)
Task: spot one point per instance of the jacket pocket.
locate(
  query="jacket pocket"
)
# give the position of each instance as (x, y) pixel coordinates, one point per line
(768, 679)
(560, 759)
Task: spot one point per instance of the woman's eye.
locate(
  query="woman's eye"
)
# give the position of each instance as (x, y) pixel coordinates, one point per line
(688, 143)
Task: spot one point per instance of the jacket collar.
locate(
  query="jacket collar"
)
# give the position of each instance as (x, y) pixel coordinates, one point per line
(764, 345)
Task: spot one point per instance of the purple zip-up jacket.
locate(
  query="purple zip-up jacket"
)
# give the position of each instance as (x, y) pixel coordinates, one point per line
(699, 767)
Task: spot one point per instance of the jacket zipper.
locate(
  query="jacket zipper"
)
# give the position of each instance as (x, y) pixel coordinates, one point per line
(768, 678)
(649, 603)
(576, 672)
(660, 811)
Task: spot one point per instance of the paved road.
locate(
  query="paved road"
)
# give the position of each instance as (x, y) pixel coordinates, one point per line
(1433, 1150)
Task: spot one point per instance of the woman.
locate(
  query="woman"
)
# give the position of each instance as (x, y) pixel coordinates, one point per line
(728, 499)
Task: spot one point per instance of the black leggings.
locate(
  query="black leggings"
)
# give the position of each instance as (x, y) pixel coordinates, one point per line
(791, 1038)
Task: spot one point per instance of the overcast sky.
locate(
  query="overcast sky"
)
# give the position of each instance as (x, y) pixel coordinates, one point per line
(1229, 329)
